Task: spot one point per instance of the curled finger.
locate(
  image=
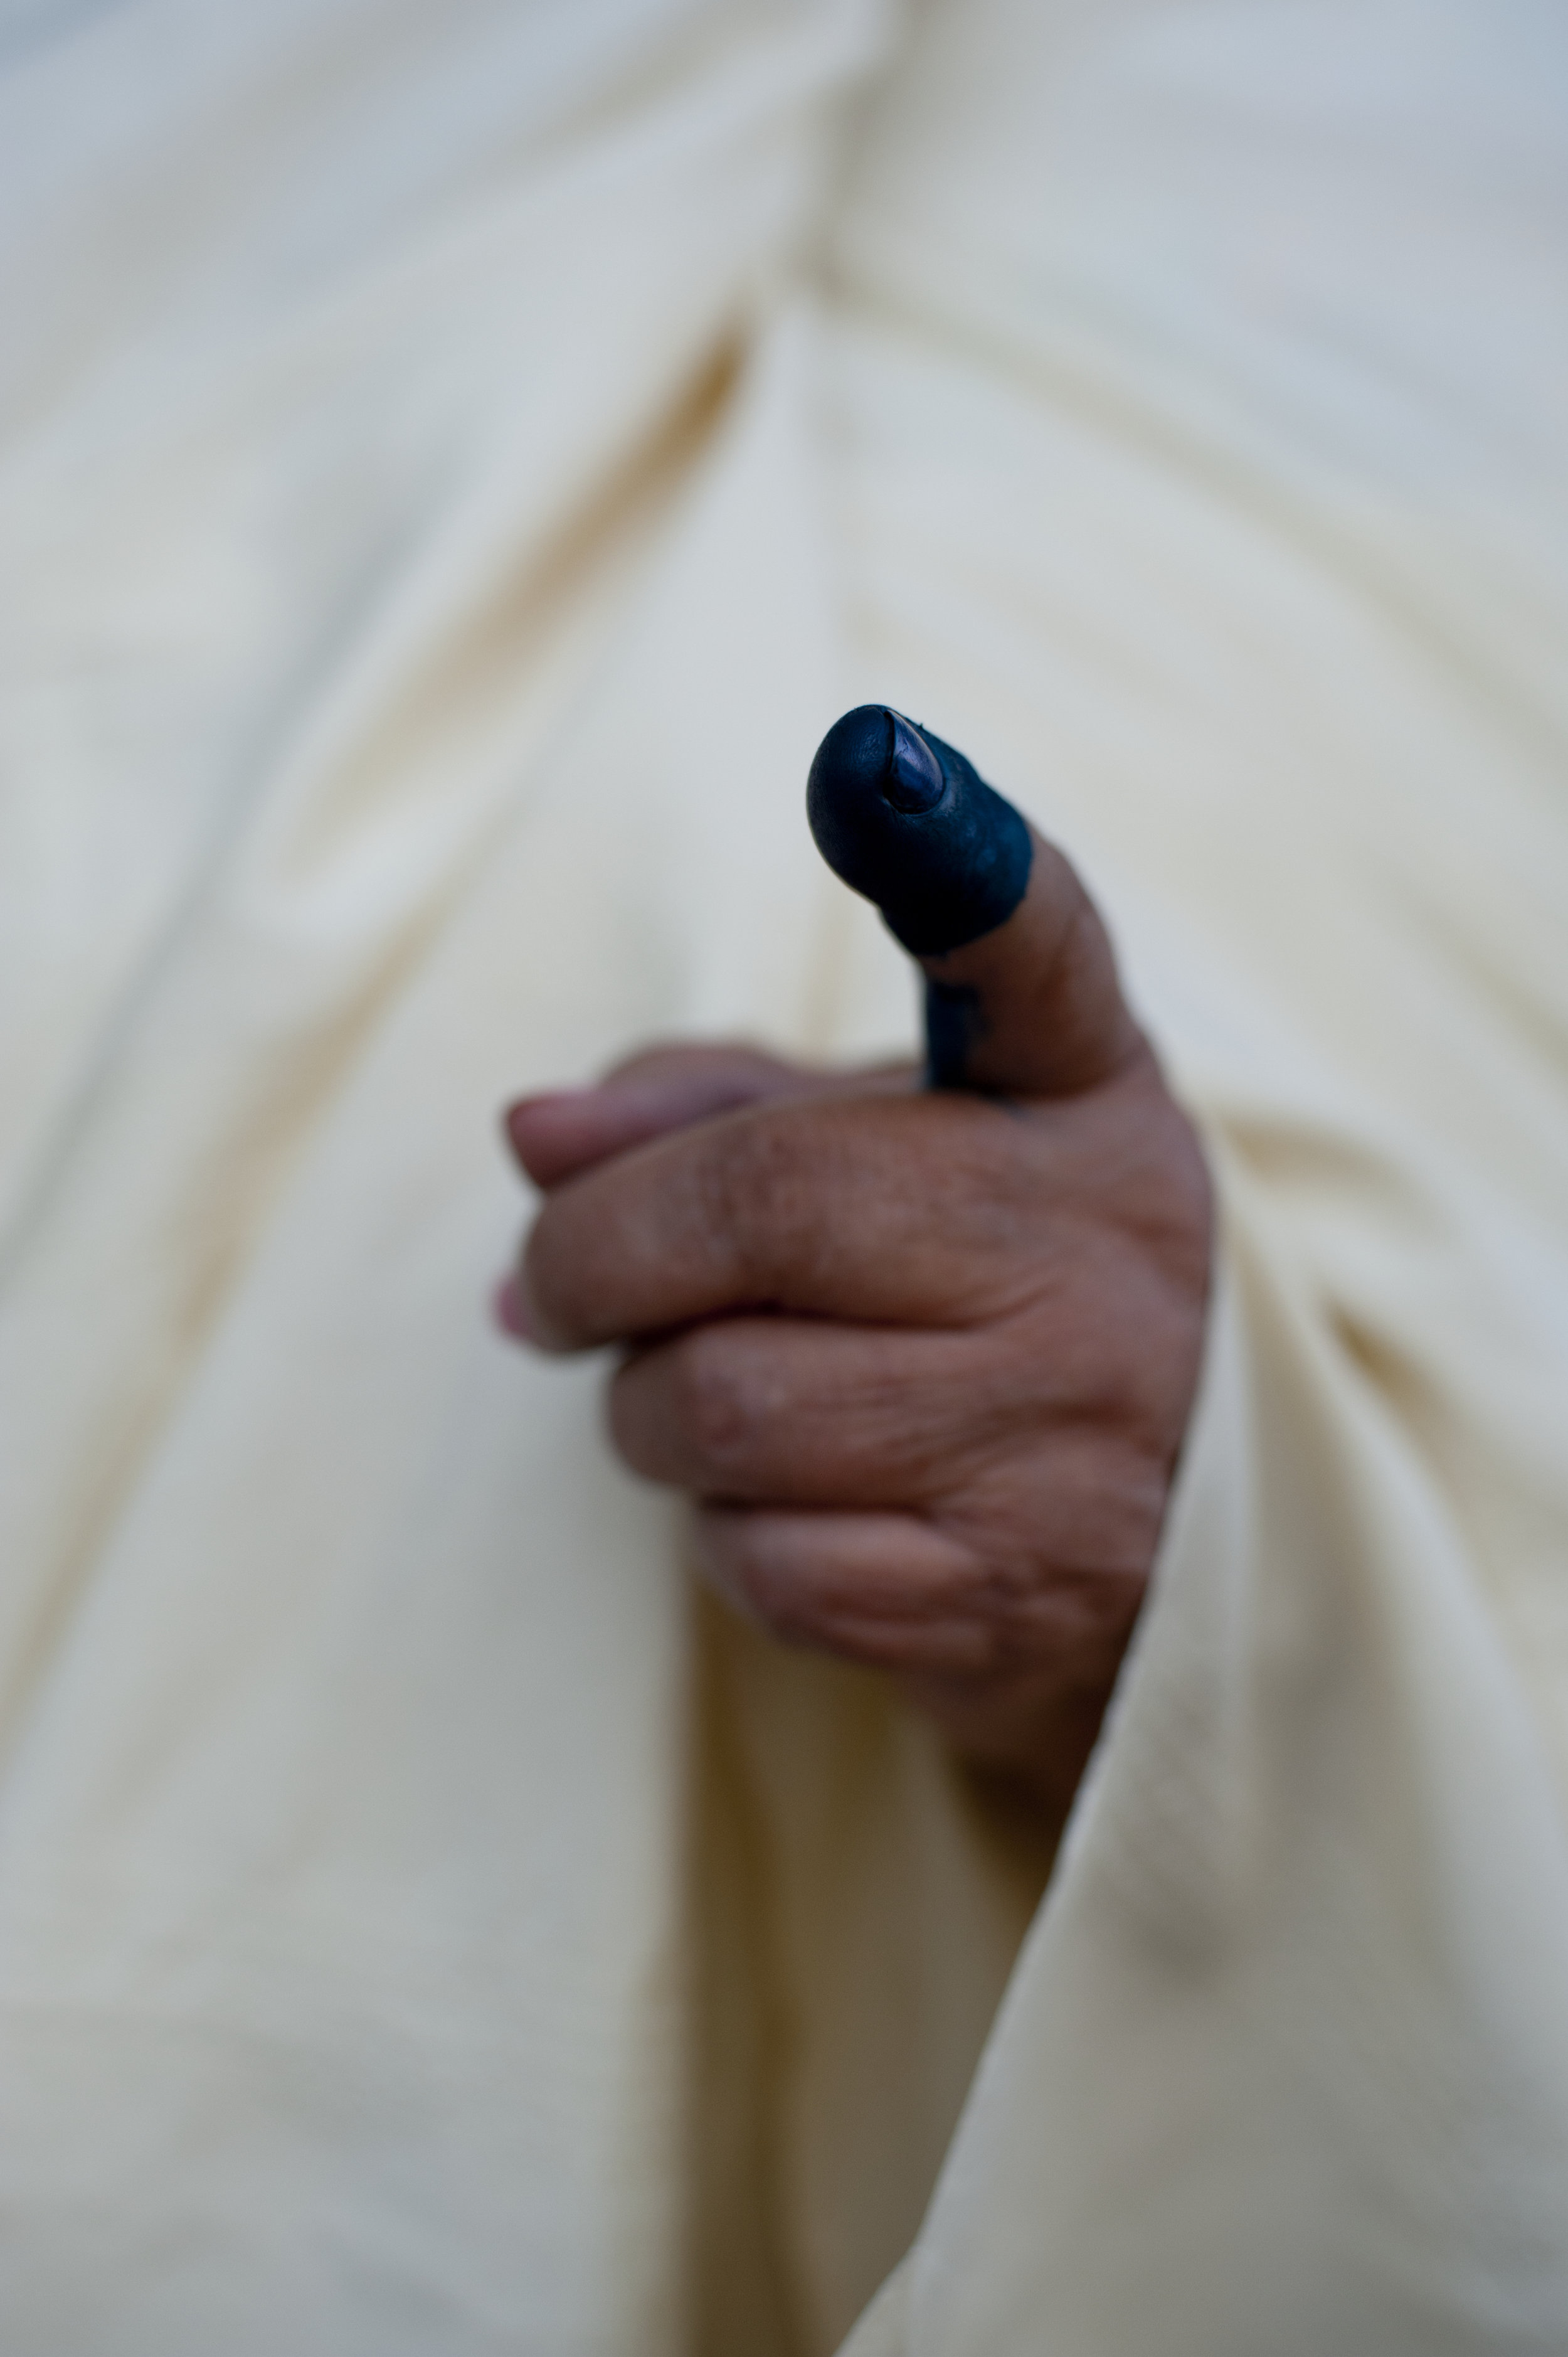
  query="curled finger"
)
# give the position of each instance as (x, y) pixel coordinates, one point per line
(797, 1412)
(889, 1590)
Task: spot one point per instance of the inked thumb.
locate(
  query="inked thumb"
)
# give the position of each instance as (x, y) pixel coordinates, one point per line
(1022, 998)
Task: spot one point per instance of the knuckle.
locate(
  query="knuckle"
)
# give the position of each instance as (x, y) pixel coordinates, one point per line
(1147, 1363)
(757, 1192)
(556, 1274)
(1160, 1190)
(718, 1401)
(784, 1602)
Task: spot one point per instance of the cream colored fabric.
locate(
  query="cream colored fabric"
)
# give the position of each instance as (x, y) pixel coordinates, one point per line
(454, 460)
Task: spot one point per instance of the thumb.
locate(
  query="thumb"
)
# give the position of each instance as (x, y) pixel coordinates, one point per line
(1022, 997)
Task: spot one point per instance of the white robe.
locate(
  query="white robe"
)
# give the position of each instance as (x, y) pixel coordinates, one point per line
(456, 457)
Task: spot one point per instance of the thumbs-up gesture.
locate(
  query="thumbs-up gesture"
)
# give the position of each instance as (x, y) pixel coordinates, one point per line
(922, 1357)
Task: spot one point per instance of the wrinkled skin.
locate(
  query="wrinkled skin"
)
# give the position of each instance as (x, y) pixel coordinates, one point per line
(923, 1360)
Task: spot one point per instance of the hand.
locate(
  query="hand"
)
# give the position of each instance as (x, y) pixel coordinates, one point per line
(922, 1360)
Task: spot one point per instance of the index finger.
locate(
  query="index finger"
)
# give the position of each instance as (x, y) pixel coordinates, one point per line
(899, 1210)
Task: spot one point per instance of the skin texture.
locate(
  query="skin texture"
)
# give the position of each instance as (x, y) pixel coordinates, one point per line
(923, 1359)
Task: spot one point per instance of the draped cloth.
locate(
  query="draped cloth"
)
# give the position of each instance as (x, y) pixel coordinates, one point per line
(455, 460)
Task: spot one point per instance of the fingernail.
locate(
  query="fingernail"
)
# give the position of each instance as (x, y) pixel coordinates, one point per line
(513, 1114)
(914, 780)
(511, 1311)
(521, 1107)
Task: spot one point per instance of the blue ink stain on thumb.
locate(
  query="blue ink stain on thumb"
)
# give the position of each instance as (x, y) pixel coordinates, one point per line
(904, 820)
